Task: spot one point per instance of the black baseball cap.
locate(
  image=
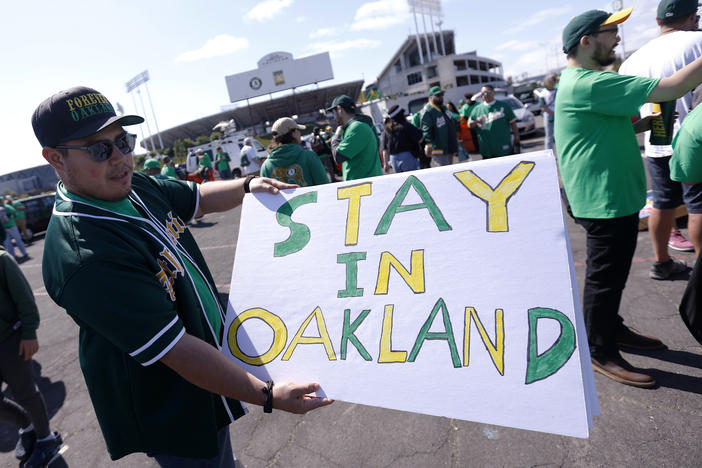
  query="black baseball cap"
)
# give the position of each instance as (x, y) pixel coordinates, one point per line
(588, 23)
(343, 101)
(73, 114)
(675, 8)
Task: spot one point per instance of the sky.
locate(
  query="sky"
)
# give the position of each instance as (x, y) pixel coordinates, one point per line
(188, 47)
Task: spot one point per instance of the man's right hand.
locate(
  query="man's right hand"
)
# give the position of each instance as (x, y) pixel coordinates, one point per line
(296, 398)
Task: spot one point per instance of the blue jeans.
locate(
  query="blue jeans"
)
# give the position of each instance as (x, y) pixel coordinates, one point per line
(225, 459)
(403, 162)
(548, 130)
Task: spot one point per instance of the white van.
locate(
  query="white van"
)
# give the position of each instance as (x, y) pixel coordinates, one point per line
(232, 145)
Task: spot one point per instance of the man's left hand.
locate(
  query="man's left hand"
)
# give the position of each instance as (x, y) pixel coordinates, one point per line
(644, 123)
(28, 348)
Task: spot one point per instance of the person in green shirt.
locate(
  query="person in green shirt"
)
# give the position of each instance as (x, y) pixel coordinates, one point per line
(120, 259)
(355, 144)
(11, 231)
(288, 162)
(222, 163)
(686, 167)
(496, 125)
(168, 171)
(21, 220)
(603, 175)
(439, 129)
(153, 168)
(19, 320)
(204, 165)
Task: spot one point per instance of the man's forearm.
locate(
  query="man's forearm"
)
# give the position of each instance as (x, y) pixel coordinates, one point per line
(221, 195)
(678, 84)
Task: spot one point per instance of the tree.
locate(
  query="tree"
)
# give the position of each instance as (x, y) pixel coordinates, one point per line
(201, 140)
(179, 149)
(188, 143)
(215, 136)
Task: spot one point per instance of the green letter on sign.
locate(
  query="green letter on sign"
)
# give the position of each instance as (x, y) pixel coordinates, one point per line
(542, 366)
(299, 233)
(396, 206)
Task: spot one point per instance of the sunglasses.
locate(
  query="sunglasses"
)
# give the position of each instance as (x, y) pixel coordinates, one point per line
(102, 150)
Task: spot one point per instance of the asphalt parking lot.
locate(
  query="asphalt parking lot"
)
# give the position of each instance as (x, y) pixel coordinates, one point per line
(659, 427)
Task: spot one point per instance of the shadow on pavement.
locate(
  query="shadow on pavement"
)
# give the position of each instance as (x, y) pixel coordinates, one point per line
(54, 394)
(683, 358)
(201, 224)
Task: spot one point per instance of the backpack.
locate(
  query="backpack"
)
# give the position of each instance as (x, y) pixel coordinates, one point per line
(244, 159)
(319, 146)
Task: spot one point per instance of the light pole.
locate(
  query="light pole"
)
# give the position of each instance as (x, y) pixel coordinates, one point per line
(617, 5)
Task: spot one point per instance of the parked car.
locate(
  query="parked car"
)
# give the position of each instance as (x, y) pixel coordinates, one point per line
(37, 210)
(525, 118)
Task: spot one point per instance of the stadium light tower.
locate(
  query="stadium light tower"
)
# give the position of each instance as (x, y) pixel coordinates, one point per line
(134, 84)
(432, 9)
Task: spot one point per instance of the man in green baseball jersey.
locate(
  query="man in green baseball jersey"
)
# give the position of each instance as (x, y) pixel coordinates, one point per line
(496, 124)
(120, 259)
(11, 231)
(439, 129)
(604, 178)
(355, 144)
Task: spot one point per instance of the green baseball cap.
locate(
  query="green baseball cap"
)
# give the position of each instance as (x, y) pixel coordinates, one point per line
(151, 163)
(435, 90)
(675, 8)
(588, 23)
(343, 101)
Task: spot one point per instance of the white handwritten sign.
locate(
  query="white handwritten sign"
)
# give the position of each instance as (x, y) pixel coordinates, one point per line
(449, 291)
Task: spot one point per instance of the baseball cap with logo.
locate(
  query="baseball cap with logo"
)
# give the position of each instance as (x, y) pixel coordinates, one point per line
(435, 90)
(343, 101)
(675, 8)
(284, 125)
(588, 23)
(73, 114)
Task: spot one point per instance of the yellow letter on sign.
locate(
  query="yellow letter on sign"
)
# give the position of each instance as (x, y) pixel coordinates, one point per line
(496, 199)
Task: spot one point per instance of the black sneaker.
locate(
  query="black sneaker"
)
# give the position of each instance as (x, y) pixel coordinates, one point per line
(25, 444)
(44, 452)
(664, 270)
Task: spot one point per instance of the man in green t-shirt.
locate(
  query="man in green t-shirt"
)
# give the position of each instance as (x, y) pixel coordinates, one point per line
(121, 260)
(168, 170)
(496, 125)
(222, 163)
(21, 220)
(603, 175)
(686, 167)
(11, 231)
(355, 144)
(204, 165)
(439, 129)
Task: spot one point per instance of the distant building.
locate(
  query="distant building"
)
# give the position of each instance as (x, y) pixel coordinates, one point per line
(32, 180)
(407, 77)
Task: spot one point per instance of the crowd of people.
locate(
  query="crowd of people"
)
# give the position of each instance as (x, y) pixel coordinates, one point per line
(117, 230)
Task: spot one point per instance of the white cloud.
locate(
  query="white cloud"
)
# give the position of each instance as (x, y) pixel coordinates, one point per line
(380, 15)
(538, 18)
(323, 32)
(300, 19)
(335, 48)
(267, 10)
(222, 44)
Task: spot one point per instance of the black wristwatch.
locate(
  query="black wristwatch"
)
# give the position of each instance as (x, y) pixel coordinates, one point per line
(268, 392)
(248, 180)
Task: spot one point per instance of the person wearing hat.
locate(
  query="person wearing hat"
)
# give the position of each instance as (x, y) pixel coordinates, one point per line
(603, 175)
(438, 129)
(679, 43)
(288, 161)
(400, 141)
(120, 259)
(204, 163)
(152, 168)
(496, 125)
(355, 144)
